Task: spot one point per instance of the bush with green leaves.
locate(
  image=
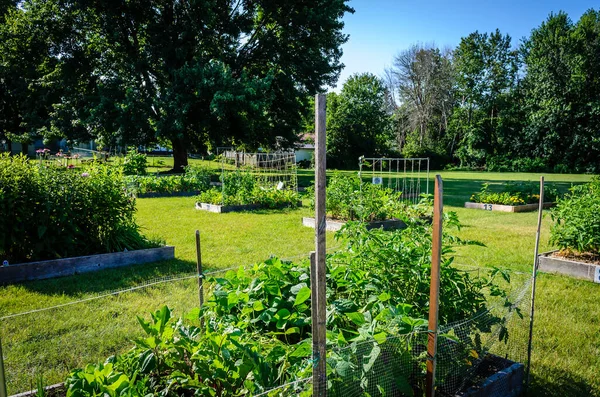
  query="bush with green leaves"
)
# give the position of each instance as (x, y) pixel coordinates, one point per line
(195, 179)
(577, 219)
(254, 330)
(241, 187)
(349, 198)
(515, 194)
(135, 163)
(53, 212)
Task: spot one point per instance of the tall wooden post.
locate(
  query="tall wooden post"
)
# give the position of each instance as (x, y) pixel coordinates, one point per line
(319, 330)
(534, 276)
(3, 392)
(200, 276)
(434, 292)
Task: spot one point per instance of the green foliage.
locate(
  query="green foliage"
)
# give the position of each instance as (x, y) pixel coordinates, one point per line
(135, 163)
(50, 213)
(243, 187)
(358, 121)
(200, 76)
(515, 194)
(349, 198)
(253, 332)
(577, 219)
(561, 91)
(195, 179)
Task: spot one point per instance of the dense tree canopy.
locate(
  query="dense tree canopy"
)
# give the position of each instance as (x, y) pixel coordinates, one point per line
(198, 73)
(358, 121)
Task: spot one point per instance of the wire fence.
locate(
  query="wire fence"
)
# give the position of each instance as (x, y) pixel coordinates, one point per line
(48, 342)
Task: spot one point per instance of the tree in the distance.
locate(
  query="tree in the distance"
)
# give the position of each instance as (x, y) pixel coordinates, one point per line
(358, 121)
(199, 74)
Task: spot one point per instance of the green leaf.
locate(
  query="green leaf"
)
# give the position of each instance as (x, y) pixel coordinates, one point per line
(304, 349)
(302, 296)
(384, 297)
(356, 317)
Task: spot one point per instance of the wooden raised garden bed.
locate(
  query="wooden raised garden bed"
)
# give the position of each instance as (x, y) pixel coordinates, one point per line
(506, 208)
(335, 225)
(549, 262)
(221, 209)
(502, 378)
(81, 264)
(56, 390)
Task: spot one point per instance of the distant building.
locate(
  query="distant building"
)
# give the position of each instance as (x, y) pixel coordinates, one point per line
(305, 150)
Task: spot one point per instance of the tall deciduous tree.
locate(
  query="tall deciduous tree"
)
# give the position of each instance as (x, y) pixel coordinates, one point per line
(358, 121)
(421, 80)
(562, 92)
(197, 73)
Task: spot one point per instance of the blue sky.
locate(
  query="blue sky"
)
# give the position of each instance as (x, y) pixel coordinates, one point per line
(379, 29)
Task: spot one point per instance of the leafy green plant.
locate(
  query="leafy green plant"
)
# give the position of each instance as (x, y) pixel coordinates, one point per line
(349, 198)
(52, 212)
(577, 219)
(242, 187)
(514, 194)
(257, 324)
(135, 163)
(194, 180)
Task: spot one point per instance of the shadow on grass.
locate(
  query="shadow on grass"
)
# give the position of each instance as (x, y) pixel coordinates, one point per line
(108, 280)
(558, 383)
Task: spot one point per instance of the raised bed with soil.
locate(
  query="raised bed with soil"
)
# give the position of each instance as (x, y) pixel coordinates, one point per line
(551, 262)
(81, 264)
(221, 209)
(506, 208)
(498, 377)
(333, 225)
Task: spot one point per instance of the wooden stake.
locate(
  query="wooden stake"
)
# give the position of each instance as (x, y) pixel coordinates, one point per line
(434, 291)
(534, 276)
(200, 276)
(320, 380)
(3, 392)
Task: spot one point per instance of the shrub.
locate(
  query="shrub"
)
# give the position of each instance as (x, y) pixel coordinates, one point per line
(242, 188)
(577, 219)
(51, 212)
(514, 194)
(135, 163)
(256, 326)
(349, 198)
(194, 180)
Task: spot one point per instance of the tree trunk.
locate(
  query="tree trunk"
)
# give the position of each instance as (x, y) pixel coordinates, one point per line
(180, 159)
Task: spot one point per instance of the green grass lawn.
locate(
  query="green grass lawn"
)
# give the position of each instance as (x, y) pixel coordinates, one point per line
(566, 355)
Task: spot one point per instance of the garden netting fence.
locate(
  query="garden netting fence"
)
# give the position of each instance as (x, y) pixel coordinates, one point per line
(47, 343)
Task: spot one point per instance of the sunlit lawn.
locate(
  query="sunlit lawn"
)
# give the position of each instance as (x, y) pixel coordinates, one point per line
(566, 355)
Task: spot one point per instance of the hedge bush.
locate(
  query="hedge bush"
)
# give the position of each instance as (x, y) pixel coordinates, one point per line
(51, 212)
(194, 180)
(577, 219)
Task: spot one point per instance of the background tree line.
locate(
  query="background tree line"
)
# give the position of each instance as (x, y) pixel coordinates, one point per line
(485, 104)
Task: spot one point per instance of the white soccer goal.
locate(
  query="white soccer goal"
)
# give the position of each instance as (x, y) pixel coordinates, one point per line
(407, 175)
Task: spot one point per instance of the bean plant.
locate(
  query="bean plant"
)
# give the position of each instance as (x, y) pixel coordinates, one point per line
(242, 187)
(254, 331)
(577, 219)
